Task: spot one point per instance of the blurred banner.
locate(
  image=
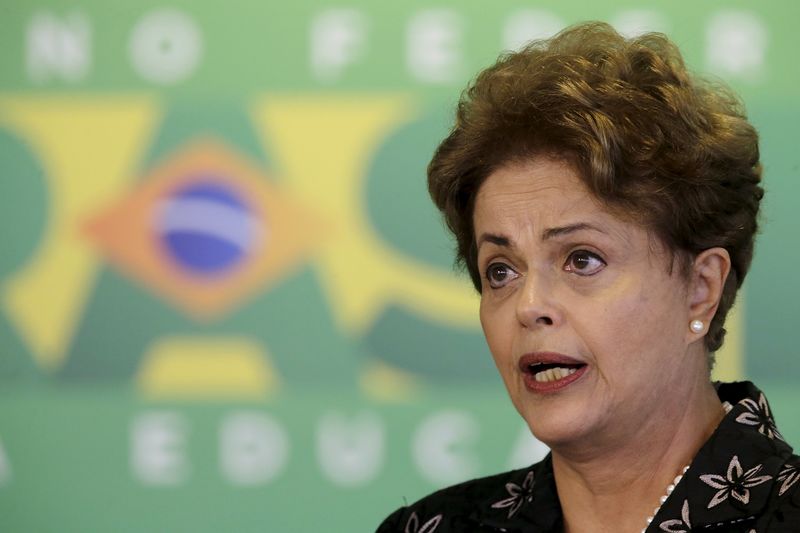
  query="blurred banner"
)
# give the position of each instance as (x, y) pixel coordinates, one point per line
(226, 303)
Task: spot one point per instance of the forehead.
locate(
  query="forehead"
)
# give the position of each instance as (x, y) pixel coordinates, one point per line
(539, 187)
(527, 201)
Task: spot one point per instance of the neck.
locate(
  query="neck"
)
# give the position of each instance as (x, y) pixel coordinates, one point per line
(616, 483)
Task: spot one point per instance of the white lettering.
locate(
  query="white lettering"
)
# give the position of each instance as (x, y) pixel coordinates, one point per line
(337, 40)
(254, 449)
(438, 447)
(434, 46)
(633, 22)
(158, 448)
(5, 466)
(527, 450)
(58, 48)
(166, 46)
(736, 44)
(350, 452)
(525, 25)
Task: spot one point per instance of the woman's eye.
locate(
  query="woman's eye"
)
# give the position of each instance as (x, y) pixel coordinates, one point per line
(584, 263)
(499, 274)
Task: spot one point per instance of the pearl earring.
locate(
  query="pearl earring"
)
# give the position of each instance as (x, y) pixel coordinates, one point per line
(697, 326)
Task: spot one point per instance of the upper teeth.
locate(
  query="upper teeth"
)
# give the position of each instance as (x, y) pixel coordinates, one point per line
(553, 374)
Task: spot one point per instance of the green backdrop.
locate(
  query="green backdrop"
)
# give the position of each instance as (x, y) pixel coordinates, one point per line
(320, 363)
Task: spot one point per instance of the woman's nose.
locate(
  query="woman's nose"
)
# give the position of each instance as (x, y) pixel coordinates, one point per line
(535, 307)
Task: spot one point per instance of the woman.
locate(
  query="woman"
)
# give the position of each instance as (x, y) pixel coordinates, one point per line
(604, 203)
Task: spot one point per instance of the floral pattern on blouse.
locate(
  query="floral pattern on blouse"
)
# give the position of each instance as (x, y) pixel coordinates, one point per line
(428, 527)
(681, 525)
(743, 479)
(788, 476)
(735, 483)
(758, 414)
(518, 495)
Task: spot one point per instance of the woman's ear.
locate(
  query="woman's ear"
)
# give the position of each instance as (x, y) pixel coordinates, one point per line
(709, 271)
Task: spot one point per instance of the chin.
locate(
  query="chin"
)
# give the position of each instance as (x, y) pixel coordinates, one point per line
(554, 436)
(556, 423)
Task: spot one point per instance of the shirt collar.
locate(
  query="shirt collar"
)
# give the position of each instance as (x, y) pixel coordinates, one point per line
(729, 480)
(528, 502)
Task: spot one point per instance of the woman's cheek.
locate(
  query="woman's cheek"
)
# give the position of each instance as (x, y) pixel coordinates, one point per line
(498, 335)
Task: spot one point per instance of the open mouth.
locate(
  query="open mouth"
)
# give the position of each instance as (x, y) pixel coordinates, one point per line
(551, 372)
(548, 372)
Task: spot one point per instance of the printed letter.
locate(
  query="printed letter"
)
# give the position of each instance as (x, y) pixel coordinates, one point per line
(158, 441)
(351, 451)
(254, 449)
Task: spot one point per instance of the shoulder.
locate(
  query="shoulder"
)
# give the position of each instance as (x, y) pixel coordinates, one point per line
(784, 509)
(459, 506)
(746, 474)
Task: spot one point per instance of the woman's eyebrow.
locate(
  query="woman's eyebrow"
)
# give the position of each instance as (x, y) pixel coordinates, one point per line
(552, 233)
(499, 240)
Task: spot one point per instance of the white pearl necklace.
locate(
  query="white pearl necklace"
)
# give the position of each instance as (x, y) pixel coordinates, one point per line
(727, 408)
(670, 488)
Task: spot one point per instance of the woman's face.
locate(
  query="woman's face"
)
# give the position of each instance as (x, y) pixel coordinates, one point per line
(585, 318)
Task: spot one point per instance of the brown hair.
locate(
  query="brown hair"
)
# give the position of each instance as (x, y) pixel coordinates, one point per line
(654, 144)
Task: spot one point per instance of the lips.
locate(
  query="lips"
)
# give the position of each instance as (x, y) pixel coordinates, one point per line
(546, 372)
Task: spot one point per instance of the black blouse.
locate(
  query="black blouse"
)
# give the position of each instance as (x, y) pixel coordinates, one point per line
(744, 479)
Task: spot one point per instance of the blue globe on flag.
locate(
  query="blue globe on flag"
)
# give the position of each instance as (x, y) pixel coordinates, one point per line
(207, 228)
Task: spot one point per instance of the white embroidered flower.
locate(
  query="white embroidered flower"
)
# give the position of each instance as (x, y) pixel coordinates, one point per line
(428, 527)
(735, 483)
(758, 414)
(678, 526)
(518, 495)
(789, 476)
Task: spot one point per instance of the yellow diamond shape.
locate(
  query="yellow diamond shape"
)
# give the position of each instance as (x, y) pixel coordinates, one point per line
(129, 236)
